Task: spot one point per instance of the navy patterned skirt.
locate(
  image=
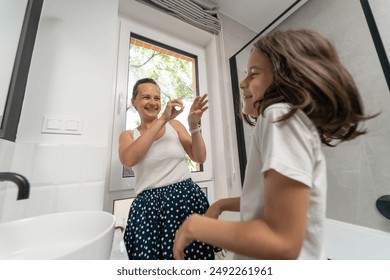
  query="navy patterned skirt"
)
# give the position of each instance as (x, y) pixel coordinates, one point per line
(154, 217)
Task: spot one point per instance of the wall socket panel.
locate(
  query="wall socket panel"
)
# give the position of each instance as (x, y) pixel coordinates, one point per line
(62, 125)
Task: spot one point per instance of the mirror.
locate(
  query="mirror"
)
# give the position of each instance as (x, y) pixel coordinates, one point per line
(18, 28)
(237, 70)
(375, 13)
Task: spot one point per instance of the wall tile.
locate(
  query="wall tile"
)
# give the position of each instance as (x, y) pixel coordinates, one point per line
(41, 201)
(6, 155)
(12, 209)
(71, 163)
(24, 158)
(45, 167)
(3, 192)
(68, 198)
(95, 163)
(92, 195)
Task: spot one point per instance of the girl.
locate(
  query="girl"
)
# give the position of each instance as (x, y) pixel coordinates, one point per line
(298, 96)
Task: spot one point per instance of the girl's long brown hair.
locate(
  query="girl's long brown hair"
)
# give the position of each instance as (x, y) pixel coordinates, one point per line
(309, 76)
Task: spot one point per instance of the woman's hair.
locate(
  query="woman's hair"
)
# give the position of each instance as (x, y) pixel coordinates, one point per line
(309, 76)
(142, 81)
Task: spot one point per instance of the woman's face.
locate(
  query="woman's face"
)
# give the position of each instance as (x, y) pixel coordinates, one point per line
(148, 101)
(258, 78)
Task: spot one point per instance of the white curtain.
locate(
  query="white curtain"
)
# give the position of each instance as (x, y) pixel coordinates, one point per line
(200, 13)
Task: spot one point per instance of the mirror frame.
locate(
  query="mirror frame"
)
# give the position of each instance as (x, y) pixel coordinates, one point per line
(18, 81)
(376, 37)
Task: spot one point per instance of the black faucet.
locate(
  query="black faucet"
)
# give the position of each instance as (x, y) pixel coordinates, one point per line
(20, 181)
(383, 206)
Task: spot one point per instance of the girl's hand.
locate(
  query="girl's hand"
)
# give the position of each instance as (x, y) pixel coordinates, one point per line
(196, 111)
(173, 109)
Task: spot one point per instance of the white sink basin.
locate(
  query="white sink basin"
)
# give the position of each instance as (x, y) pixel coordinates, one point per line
(68, 235)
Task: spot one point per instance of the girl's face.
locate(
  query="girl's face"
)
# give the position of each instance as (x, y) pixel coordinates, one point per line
(258, 78)
(148, 101)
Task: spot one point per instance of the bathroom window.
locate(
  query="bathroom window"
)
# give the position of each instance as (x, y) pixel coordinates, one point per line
(180, 69)
(174, 70)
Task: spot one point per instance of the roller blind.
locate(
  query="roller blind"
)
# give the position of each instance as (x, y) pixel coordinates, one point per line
(200, 13)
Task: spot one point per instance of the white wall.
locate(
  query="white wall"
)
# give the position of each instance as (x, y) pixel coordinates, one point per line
(71, 76)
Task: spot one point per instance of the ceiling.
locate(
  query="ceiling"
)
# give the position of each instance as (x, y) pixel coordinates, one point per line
(254, 14)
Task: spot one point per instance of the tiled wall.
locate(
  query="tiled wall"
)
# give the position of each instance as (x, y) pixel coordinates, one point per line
(6, 155)
(62, 178)
(358, 171)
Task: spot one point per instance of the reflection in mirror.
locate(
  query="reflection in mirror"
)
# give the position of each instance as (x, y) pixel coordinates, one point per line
(18, 24)
(237, 71)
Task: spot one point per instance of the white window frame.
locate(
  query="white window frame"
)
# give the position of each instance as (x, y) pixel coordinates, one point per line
(126, 26)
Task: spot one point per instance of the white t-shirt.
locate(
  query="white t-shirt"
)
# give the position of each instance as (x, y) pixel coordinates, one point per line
(164, 164)
(292, 148)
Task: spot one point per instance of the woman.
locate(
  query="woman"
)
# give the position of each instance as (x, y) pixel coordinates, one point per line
(166, 194)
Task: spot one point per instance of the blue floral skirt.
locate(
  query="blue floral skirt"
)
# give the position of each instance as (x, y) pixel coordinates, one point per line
(154, 217)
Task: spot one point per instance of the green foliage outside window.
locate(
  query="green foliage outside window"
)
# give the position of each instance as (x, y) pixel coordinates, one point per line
(174, 76)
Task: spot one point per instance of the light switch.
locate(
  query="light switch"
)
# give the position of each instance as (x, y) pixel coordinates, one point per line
(62, 124)
(72, 125)
(54, 124)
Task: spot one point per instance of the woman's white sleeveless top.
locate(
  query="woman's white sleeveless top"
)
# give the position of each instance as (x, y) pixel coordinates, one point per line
(164, 164)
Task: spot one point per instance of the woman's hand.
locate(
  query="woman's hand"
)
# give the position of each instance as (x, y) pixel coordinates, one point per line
(197, 109)
(173, 109)
(214, 211)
